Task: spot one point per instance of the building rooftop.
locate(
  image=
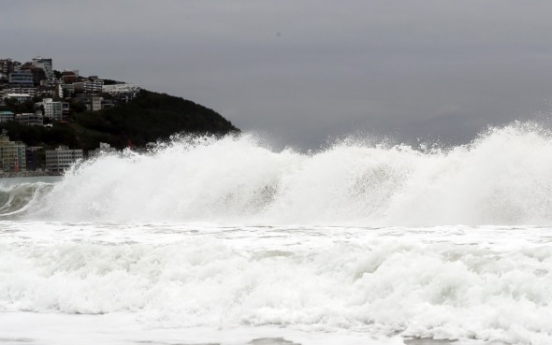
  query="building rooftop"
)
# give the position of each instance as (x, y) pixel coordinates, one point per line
(17, 95)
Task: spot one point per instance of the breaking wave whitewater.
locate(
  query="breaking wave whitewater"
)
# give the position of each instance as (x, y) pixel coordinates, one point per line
(16, 199)
(230, 234)
(502, 177)
(456, 282)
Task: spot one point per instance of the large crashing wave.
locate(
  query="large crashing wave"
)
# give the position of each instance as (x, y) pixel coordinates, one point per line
(502, 177)
(16, 199)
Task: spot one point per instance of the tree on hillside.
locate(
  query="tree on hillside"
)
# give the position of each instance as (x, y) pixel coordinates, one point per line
(149, 117)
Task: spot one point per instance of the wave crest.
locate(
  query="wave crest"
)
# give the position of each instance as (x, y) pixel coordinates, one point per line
(502, 177)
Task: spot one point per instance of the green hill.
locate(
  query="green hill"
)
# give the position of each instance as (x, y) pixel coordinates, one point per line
(149, 117)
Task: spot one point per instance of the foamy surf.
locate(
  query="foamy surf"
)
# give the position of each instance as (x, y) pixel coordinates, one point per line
(355, 244)
(501, 178)
(488, 284)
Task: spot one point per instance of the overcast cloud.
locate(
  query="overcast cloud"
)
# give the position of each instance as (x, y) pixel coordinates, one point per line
(301, 72)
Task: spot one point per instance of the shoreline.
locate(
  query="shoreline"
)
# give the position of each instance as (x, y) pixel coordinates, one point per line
(29, 174)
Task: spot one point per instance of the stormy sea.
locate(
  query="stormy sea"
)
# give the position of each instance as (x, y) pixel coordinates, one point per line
(227, 241)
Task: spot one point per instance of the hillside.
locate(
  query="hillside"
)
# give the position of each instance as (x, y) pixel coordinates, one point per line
(149, 117)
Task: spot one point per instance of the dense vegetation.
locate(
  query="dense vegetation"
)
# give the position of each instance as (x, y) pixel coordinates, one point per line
(149, 117)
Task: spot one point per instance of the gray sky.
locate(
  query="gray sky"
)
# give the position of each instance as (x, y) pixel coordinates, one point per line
(301, 72)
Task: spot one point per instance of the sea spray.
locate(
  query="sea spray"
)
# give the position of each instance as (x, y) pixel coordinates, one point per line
(502, 177)
(358, 239)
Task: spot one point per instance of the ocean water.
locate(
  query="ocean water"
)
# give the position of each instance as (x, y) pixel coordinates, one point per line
(226, 241)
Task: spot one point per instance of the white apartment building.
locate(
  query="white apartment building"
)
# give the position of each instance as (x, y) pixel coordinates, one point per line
(20, 97)
(62, 158)
(89, 86)
(52, 110)
(122, 92)
(21, 90)
(117, 89)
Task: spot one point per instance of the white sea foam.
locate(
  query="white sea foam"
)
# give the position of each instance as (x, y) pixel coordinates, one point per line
(501, 178)
(119, 329)
(228, 235)
(444, 283)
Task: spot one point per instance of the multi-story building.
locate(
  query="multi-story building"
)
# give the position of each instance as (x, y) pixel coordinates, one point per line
(19, 97)
(6, 116)
(107, 103)
(95, 104)
(32, 156)
(52, 110)
(103, 149)
(120, 88)
(24, 77)
(122, 93)
(17, 66)
(30, 119)
(46, 65)
(12, 154)
(31, 91)
(89, 86)
(62, 158)
(46, 91)
(38, 73)
(69, 77)
(65, 109)
(8, 65)
(68, 90)
(92, 103)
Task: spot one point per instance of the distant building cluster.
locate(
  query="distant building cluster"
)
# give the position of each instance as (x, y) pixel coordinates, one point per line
(41, 96)
(15, 156)
(37, 81)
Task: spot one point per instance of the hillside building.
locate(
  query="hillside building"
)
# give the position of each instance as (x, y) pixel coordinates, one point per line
(68, 90)
(6, 116)
(88, 86)
(30, 119)
(92, 103)
(12, 154)
(62, 158)
(65, 109)
(107, 103)
(24, 90)
(52, 110)
(103, 149)
(19, 97)
(38, 73)
(7, 66)
(33, 159)
(122, 93)
(46, 65)
(46, 91)
(21, 78)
